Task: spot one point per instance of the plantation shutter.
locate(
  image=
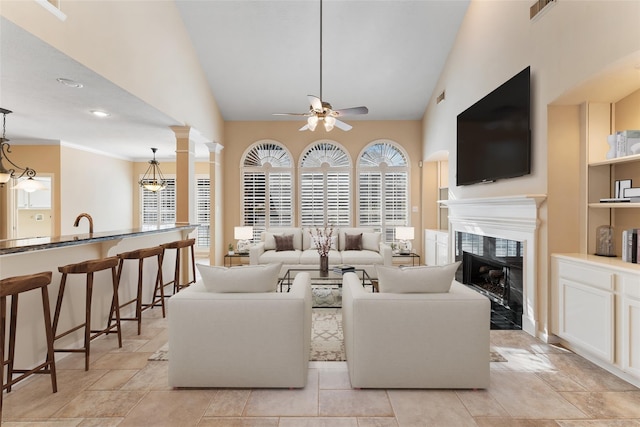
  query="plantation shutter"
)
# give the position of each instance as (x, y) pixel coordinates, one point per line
(325, 186)
(159, 207)
(383, 188)
(267, 187)
(203, 205)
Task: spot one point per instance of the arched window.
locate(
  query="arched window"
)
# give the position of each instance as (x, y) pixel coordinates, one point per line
(325, 185)
(383, 187)
(267, 186)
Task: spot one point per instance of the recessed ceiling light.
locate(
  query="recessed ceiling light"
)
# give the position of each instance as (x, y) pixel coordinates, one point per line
(100, 113)
(69, 83)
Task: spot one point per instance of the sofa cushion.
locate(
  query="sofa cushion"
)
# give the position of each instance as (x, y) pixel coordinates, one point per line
(361, 257)
(371, 241)
(312, 257)
(353, 242)
(423, 279)
(284, 243)
(352, 230)
(285, 257)
(250, 278)
(269, 240)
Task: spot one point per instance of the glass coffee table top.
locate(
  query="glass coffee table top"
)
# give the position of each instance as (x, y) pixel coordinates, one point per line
(330, 278)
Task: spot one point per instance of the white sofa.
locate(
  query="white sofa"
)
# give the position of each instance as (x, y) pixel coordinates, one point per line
(240, 339)
(305, 254)
(416, 340)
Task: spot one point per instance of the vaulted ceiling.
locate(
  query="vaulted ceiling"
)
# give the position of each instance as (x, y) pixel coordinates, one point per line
(260, 57)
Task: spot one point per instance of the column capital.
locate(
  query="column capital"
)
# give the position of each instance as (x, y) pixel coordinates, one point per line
(181, 131)
(214, 147)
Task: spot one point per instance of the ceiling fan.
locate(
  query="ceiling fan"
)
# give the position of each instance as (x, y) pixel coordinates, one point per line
(320, 110)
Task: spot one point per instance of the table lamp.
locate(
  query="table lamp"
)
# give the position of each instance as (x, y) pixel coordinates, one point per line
(404, 235)
(243, 234)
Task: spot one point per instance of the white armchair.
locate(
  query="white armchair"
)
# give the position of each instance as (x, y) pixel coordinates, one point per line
(240, 339)
(415, 340)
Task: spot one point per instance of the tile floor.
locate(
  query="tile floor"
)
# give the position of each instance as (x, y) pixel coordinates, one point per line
(539, 386)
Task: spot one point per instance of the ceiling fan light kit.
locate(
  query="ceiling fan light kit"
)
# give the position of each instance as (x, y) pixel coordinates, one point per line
(320, 110)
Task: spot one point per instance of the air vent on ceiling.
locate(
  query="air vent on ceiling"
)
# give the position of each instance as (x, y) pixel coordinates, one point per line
(537, 7)
(440, 98)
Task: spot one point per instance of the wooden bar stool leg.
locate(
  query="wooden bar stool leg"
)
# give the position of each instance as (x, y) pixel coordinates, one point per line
(3, 325)
(115, 306)
(139, 300)
(193, 263)
(56, 313)
(87, 325)
(159, 287)
(49, 334)
(12, 339)
(176, 275)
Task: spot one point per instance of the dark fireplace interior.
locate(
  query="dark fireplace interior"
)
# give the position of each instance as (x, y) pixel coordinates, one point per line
(493, 267)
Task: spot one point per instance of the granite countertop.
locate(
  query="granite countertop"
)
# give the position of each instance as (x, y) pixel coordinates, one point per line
(12, 246)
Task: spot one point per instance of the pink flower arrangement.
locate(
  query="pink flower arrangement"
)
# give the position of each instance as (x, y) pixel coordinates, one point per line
(322, 239)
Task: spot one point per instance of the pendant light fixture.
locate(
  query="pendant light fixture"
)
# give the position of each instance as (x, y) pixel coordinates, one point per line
(28, 184)
(153, 180)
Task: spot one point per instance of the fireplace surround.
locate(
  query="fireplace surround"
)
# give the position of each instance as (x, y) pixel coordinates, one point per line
(513, 218)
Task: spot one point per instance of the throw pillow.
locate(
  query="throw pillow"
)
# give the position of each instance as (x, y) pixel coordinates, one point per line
(249, 278)
(353, 242)
(371, 241)
(423, 279)
(284, 243)
(270, 241)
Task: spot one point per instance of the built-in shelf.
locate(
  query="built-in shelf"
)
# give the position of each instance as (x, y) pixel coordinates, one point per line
(617, 160)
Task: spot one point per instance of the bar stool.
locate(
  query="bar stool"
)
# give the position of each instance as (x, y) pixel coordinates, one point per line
(89, 268)
(178, 245)
(156, 301)
(13, 286)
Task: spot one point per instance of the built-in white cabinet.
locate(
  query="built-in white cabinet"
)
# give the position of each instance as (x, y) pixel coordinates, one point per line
(598, 313)
(436, 247)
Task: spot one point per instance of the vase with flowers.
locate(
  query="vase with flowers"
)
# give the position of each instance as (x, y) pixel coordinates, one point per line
(322, 238)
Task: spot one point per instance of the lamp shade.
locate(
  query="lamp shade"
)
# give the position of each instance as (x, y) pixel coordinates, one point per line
(243, 233)
(30, 185)
(404, 233)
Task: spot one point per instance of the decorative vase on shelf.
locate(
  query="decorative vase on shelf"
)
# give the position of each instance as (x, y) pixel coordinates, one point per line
(324, 264)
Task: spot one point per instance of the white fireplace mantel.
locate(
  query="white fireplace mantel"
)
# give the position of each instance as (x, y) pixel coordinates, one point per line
(513, 218)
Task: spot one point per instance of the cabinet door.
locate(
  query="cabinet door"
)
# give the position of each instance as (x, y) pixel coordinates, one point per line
(631, 336)
(586, 317)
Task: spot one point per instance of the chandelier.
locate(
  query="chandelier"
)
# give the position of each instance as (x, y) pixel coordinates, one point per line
(153, 180)
(28, 184)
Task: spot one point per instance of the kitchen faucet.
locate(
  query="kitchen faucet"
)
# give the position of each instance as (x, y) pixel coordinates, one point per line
(85, 215)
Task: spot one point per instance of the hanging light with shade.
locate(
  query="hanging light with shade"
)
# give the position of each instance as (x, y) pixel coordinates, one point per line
(153, 180)
(29, 184)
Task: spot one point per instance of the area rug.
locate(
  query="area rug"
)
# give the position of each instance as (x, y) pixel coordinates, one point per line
(326, 297)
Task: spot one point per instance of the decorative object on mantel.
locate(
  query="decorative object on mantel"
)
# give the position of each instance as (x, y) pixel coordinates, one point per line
(322, 241)
(153, 180)
(29, 185)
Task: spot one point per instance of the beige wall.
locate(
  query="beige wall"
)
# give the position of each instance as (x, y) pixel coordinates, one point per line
(98, 185)
(240, 135)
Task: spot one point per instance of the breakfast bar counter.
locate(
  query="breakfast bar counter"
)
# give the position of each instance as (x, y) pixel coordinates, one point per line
(34, 255)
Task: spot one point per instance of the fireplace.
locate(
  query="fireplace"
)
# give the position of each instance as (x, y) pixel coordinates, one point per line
(493, 267)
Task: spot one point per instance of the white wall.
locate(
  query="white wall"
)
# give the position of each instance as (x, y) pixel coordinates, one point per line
(98, 185)
(568, 44)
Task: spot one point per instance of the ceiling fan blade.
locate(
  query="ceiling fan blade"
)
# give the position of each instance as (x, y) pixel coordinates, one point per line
(305, 127)
(315, 102)
(290, 114)
(352, 110)
(342, 125)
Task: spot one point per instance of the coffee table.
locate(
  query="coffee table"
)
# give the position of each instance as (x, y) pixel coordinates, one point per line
(330, 278)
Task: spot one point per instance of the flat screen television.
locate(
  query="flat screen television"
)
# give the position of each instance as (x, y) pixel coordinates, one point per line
(493, 135)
